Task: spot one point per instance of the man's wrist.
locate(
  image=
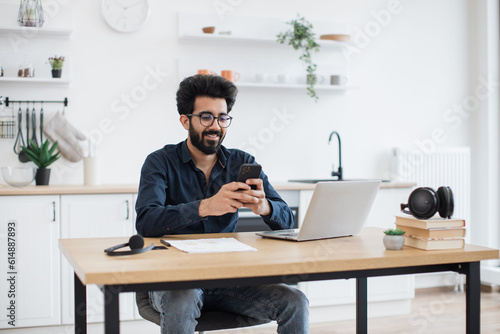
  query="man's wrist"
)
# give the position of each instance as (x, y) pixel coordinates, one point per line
(203, 208)
(268, 209)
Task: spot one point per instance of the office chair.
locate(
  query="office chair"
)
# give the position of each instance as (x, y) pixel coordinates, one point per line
(209, 320)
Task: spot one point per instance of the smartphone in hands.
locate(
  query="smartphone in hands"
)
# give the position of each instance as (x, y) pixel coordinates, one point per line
(249, 171)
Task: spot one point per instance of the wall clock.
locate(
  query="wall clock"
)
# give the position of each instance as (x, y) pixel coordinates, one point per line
(125, 15)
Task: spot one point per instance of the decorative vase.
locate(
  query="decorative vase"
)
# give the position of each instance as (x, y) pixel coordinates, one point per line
(30, 13)
(394, 242)
(56, 73)
(42, 176)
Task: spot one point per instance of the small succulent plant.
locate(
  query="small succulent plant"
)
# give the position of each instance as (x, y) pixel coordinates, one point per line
(397, 231)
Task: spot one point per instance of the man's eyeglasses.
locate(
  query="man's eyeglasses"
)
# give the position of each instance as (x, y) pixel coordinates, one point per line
(207, 119)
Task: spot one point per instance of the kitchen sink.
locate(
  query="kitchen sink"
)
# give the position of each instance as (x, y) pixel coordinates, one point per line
(330, 180)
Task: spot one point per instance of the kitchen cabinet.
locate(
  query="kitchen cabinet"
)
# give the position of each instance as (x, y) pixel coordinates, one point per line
(335, 300)
(35, 273)
(95, 216)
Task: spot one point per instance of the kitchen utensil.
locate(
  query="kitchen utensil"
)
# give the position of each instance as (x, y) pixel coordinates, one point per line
(33, 125)
(19, 139)
(22, 156)
(41, 124)
(18, 176)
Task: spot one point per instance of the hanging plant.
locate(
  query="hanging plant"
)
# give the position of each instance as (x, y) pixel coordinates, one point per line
(301, 37)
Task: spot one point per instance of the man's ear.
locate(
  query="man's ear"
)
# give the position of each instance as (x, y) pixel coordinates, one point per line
(184, 121)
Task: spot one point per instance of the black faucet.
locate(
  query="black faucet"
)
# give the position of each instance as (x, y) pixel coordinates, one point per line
(337, 173)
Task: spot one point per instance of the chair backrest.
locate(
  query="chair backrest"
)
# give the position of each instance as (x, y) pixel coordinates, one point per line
(209, 320)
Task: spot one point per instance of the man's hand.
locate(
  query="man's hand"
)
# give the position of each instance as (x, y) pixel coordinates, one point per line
(229, 198)
(259, 204)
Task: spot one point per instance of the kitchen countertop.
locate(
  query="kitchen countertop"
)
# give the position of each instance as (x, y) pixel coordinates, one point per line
(6, 190)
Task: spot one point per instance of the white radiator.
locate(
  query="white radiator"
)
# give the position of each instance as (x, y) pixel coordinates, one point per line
(441, 167)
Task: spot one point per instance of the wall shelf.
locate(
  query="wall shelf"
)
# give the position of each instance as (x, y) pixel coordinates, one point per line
(293, 86)
(247, 40)
(48, 81)
(27, 32)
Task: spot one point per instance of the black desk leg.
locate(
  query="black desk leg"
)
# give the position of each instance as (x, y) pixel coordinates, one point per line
(80, 307)
(361, 305)
(473, 297)
(111, 310)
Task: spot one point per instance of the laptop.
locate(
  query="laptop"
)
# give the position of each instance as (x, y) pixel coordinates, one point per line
(337, 209)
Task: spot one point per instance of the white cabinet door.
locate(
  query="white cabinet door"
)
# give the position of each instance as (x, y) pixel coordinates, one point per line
(87, 216)
(30, 283)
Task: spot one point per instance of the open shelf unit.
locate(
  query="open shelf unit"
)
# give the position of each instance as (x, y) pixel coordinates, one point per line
(249, 32)
(34, 33)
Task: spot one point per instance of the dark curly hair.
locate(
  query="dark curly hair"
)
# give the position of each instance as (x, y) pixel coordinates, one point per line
(204, 85)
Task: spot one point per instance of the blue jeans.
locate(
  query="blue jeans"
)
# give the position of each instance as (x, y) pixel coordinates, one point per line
(179, 309)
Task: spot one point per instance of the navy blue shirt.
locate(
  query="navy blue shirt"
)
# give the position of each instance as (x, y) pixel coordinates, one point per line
(171, 189)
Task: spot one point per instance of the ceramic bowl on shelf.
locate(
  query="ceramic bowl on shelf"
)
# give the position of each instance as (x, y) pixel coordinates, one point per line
(18, 176)
(208, 30)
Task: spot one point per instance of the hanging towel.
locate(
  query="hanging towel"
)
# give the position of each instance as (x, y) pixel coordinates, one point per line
(60, 130)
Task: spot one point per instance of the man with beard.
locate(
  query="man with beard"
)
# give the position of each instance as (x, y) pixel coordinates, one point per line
(190, 188)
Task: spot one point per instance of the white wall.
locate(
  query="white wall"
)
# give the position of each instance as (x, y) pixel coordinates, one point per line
(415, 68)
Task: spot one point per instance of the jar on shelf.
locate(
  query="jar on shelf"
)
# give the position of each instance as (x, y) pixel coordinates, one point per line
(30, 13)
(26, 69)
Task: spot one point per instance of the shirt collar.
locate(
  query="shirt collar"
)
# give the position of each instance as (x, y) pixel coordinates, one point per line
(221, 155)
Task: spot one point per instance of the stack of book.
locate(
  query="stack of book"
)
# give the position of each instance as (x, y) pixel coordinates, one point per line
(433, 233)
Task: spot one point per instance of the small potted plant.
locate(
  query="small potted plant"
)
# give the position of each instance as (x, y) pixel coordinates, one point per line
(43, 156)
(301, 37)
(56, 63)
(393, 239)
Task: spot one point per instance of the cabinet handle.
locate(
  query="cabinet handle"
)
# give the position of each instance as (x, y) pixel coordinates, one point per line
(128, 210)
(53, 211)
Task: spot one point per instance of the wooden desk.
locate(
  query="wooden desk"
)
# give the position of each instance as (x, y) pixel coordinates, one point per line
(275, 261)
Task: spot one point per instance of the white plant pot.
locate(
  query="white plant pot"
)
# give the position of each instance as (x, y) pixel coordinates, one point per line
(393, 242)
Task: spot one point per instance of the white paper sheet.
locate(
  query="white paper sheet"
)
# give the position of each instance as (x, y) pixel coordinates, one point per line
(213, 245)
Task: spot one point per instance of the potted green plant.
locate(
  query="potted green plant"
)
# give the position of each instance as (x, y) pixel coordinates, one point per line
(301, 37)
(43, 156)
(57, 64)
(394, 239)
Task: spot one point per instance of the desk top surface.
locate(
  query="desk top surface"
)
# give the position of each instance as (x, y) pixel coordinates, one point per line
(274, 257)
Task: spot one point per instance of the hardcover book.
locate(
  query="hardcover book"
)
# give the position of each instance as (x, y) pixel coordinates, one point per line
(434, 233)
(434, 222)
(434, 244)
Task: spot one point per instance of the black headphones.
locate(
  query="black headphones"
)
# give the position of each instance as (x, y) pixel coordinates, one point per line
(424, 202)
(136, 242)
